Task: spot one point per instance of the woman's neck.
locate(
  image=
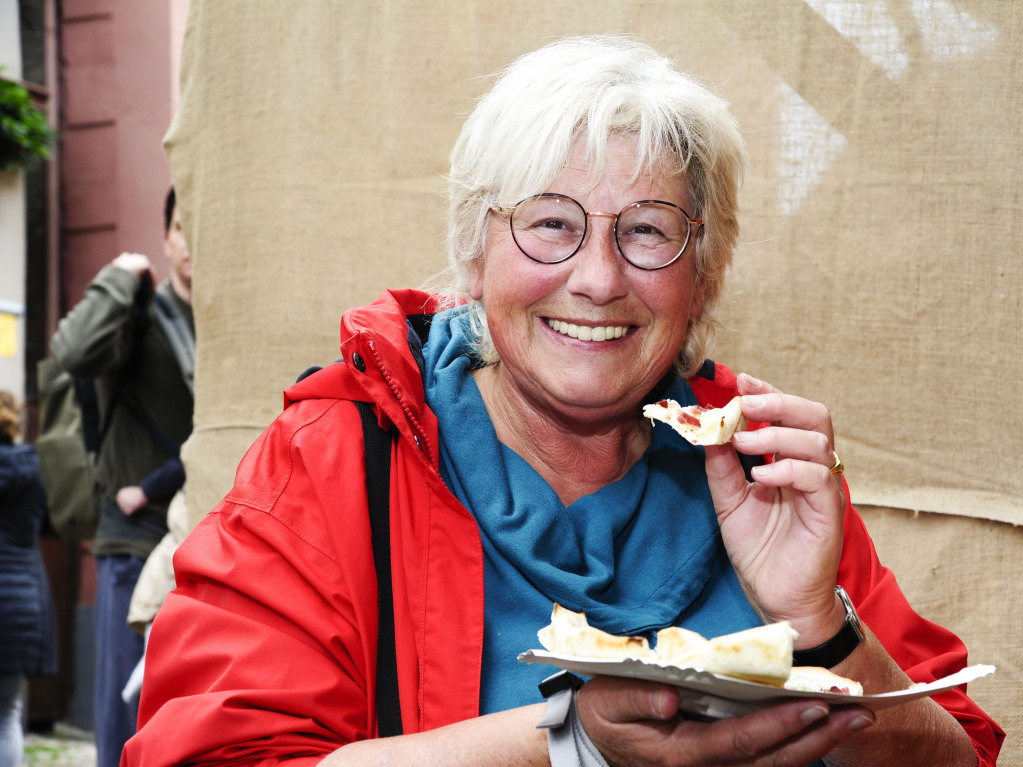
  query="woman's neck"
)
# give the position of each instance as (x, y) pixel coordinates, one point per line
(575, 458)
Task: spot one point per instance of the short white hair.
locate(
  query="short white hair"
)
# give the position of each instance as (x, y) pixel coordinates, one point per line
(520, 134)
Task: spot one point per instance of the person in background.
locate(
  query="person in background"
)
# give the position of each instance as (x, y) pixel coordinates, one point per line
(28, 635)
(593, 213)
(139, 344)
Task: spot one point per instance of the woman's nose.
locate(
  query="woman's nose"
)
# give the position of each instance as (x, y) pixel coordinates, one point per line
(598, 267)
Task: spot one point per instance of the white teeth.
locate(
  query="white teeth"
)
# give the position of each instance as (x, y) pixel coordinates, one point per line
(587, 332)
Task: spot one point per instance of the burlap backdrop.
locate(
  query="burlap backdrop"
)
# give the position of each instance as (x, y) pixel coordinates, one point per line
(879, 270)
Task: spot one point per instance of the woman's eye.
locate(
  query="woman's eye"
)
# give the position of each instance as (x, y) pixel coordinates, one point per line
(644, 231)
(551, 226)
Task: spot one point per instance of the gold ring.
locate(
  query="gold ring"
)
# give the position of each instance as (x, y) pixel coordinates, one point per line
(839, 467)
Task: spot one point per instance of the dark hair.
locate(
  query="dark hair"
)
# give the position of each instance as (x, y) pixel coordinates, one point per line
(168, 209)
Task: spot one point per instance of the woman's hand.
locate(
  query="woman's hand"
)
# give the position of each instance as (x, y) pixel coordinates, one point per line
(783, 531)
(639, 723)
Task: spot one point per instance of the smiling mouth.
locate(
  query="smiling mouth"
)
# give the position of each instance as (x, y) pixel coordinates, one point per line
(587, 332)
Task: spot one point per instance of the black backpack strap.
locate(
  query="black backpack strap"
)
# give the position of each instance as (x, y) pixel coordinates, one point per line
(95, 428)
(378, 489)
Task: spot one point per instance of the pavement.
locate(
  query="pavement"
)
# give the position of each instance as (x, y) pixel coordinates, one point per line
(64, 746)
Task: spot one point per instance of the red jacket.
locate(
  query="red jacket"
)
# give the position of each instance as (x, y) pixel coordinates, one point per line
(267, 649)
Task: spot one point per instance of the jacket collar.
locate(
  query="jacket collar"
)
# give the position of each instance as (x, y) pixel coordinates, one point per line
(381, 364)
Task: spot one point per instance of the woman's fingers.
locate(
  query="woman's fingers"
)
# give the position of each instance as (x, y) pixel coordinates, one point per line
(747, 384)
(803, 476)
(787, 410)
(763, 402)
(639, 723)
(786, 443)
(796, 733)
(800, 431)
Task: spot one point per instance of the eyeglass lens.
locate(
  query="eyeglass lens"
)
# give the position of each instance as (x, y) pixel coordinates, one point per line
(551, 228)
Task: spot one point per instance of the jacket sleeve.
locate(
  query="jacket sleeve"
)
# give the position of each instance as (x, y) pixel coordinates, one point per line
(260, 654)
(164, 481)
(95, 336)
(924, 650)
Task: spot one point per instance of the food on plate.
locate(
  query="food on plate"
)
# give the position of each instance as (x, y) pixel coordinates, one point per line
(570, 634)
(676, 642)
(697, 424)
(817, 679)
(761, 654)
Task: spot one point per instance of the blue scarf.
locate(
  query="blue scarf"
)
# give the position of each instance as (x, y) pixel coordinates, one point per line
(639, 554)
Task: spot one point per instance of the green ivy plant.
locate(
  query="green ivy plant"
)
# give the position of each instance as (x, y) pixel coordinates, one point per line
(25, 135)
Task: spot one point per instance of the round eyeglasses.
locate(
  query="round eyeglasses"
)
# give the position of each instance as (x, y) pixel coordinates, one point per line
(551, 228)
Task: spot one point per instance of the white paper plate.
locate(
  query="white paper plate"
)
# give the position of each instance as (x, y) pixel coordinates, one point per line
(717, 696)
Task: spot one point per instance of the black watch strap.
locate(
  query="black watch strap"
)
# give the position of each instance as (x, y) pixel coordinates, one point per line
(840, 646)
(562, 680)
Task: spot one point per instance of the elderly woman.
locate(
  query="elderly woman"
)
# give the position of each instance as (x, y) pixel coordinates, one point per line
(593, 215)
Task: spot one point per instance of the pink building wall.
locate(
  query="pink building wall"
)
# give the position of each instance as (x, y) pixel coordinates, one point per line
(119, 75)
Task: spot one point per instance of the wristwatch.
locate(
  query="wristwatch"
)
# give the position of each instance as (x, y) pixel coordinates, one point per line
(839, 647)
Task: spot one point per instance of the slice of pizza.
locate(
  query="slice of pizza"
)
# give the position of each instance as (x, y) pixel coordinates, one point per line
(817, 679)
(697, 424)
(761, 654)
(569, 633)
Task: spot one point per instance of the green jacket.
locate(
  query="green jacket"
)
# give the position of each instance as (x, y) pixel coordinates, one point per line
(98, 339)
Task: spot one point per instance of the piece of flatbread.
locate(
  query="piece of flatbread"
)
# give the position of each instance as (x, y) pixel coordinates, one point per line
(761, 654)
(699, 425)
(676, 642)
(817, 679)
(570, 634)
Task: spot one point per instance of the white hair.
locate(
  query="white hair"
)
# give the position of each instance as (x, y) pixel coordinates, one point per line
(520, 134)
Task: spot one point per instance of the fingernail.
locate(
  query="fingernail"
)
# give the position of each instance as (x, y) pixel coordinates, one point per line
(860, 723)
(762, 472)
(657, 703)
(753, 401)
(814, 714)
(755, 382)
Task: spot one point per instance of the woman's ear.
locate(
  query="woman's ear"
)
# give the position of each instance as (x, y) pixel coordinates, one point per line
(476, 280)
